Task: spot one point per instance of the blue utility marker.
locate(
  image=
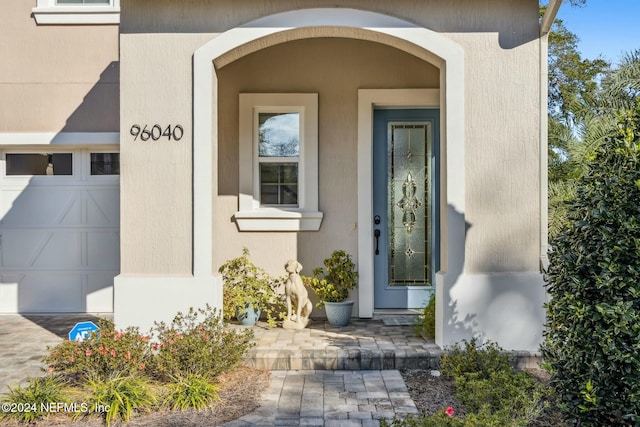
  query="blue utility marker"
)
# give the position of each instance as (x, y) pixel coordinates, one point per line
(81, 331)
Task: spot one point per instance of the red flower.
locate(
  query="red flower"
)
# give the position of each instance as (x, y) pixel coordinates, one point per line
(170, 342)
(449, 411)
(155, 346)
(113, 352)
(141, 366)
(128, 355)
(87, 352)
(71, 359)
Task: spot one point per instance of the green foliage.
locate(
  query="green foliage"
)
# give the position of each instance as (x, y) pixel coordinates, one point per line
(106, 354)
(197, 343)
(28, 404)
(573, 80)
(191, 392)
(492, 392)
(506, 395)
(474, 360)
(427, 324)
(489, 387)
(119, 397)
(333, 283)
(592, 338)
(245, 284)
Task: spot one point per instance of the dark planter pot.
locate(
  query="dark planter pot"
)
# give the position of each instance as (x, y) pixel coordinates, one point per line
(248, 316)
(338, 313)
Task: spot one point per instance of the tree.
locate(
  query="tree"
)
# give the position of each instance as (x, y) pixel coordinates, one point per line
(592, 336)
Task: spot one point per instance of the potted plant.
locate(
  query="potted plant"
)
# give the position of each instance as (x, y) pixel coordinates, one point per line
(332, 285)
(249, 291)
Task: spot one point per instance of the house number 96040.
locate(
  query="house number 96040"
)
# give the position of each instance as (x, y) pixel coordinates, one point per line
(156, 132)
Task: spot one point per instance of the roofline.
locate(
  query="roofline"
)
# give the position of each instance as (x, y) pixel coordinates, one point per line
(549, 16)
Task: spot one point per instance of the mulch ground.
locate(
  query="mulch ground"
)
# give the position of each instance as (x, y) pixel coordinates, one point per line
(240, 392)
(433, 394)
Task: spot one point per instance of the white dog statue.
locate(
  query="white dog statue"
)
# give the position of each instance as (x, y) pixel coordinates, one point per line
(297, 296)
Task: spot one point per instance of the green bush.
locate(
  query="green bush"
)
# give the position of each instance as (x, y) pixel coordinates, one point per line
(245, 284)
(197, 343)
(105, 354)
(117, 398)
(427, 324)
(191, 392)
(474, 359)
(30, 403)
(333, 282)
(592, 337)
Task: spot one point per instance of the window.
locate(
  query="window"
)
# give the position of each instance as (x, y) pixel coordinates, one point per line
(278, 162)
(278, 157)
(39, 164)
(105, 163)
(77, 12)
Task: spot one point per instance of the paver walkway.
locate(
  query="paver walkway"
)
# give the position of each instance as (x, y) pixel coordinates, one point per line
(331, 398)
(342, 396)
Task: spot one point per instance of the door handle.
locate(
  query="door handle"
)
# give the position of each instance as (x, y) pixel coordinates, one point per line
(376, 233)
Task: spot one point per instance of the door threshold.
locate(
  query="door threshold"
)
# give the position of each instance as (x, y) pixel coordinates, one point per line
(396, 312)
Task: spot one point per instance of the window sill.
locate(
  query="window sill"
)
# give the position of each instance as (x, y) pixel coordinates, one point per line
(76, 15)
(273, 219)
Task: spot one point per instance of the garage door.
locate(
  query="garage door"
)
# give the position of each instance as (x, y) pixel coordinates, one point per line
(59, 230)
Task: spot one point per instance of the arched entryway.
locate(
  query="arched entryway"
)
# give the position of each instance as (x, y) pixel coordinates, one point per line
(347, 23)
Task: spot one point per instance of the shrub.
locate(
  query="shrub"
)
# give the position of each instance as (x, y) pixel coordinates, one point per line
(191, 392)
(30, 403)
(104, 354)
(427, 324)
(592, 336)
(245, 284)
(333, 283)
(481, 360)
(118, 397)
(197, 343)
(492, 392)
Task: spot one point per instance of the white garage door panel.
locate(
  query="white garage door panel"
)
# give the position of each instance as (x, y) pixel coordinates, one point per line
(50, 292)
(103, 250)
(40, 206)
(41, 248)
(100, 206)
(59, 240)
(99, 292)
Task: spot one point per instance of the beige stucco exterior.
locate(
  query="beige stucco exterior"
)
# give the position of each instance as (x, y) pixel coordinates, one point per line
(186, 63)
(501, 122)
(56, 78)
(502, 126)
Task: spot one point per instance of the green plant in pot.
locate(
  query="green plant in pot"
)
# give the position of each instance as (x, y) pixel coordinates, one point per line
(332, 284)
(249, 291)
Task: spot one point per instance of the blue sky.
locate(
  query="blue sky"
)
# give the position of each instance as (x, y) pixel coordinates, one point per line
(606, 28)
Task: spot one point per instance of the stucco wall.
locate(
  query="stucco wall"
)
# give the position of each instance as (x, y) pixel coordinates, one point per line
(56, 78)
(335, 69)
(502, 127)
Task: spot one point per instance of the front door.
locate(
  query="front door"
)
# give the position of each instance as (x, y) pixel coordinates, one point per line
(405, 194)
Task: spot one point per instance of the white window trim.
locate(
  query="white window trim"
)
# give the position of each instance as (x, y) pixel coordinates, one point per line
(48, 12)
(253, 217)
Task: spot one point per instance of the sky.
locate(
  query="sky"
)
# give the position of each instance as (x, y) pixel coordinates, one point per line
(606, 28)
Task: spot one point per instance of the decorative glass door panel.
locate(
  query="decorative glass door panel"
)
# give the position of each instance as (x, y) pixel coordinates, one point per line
(409, 204)
(405, 206)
